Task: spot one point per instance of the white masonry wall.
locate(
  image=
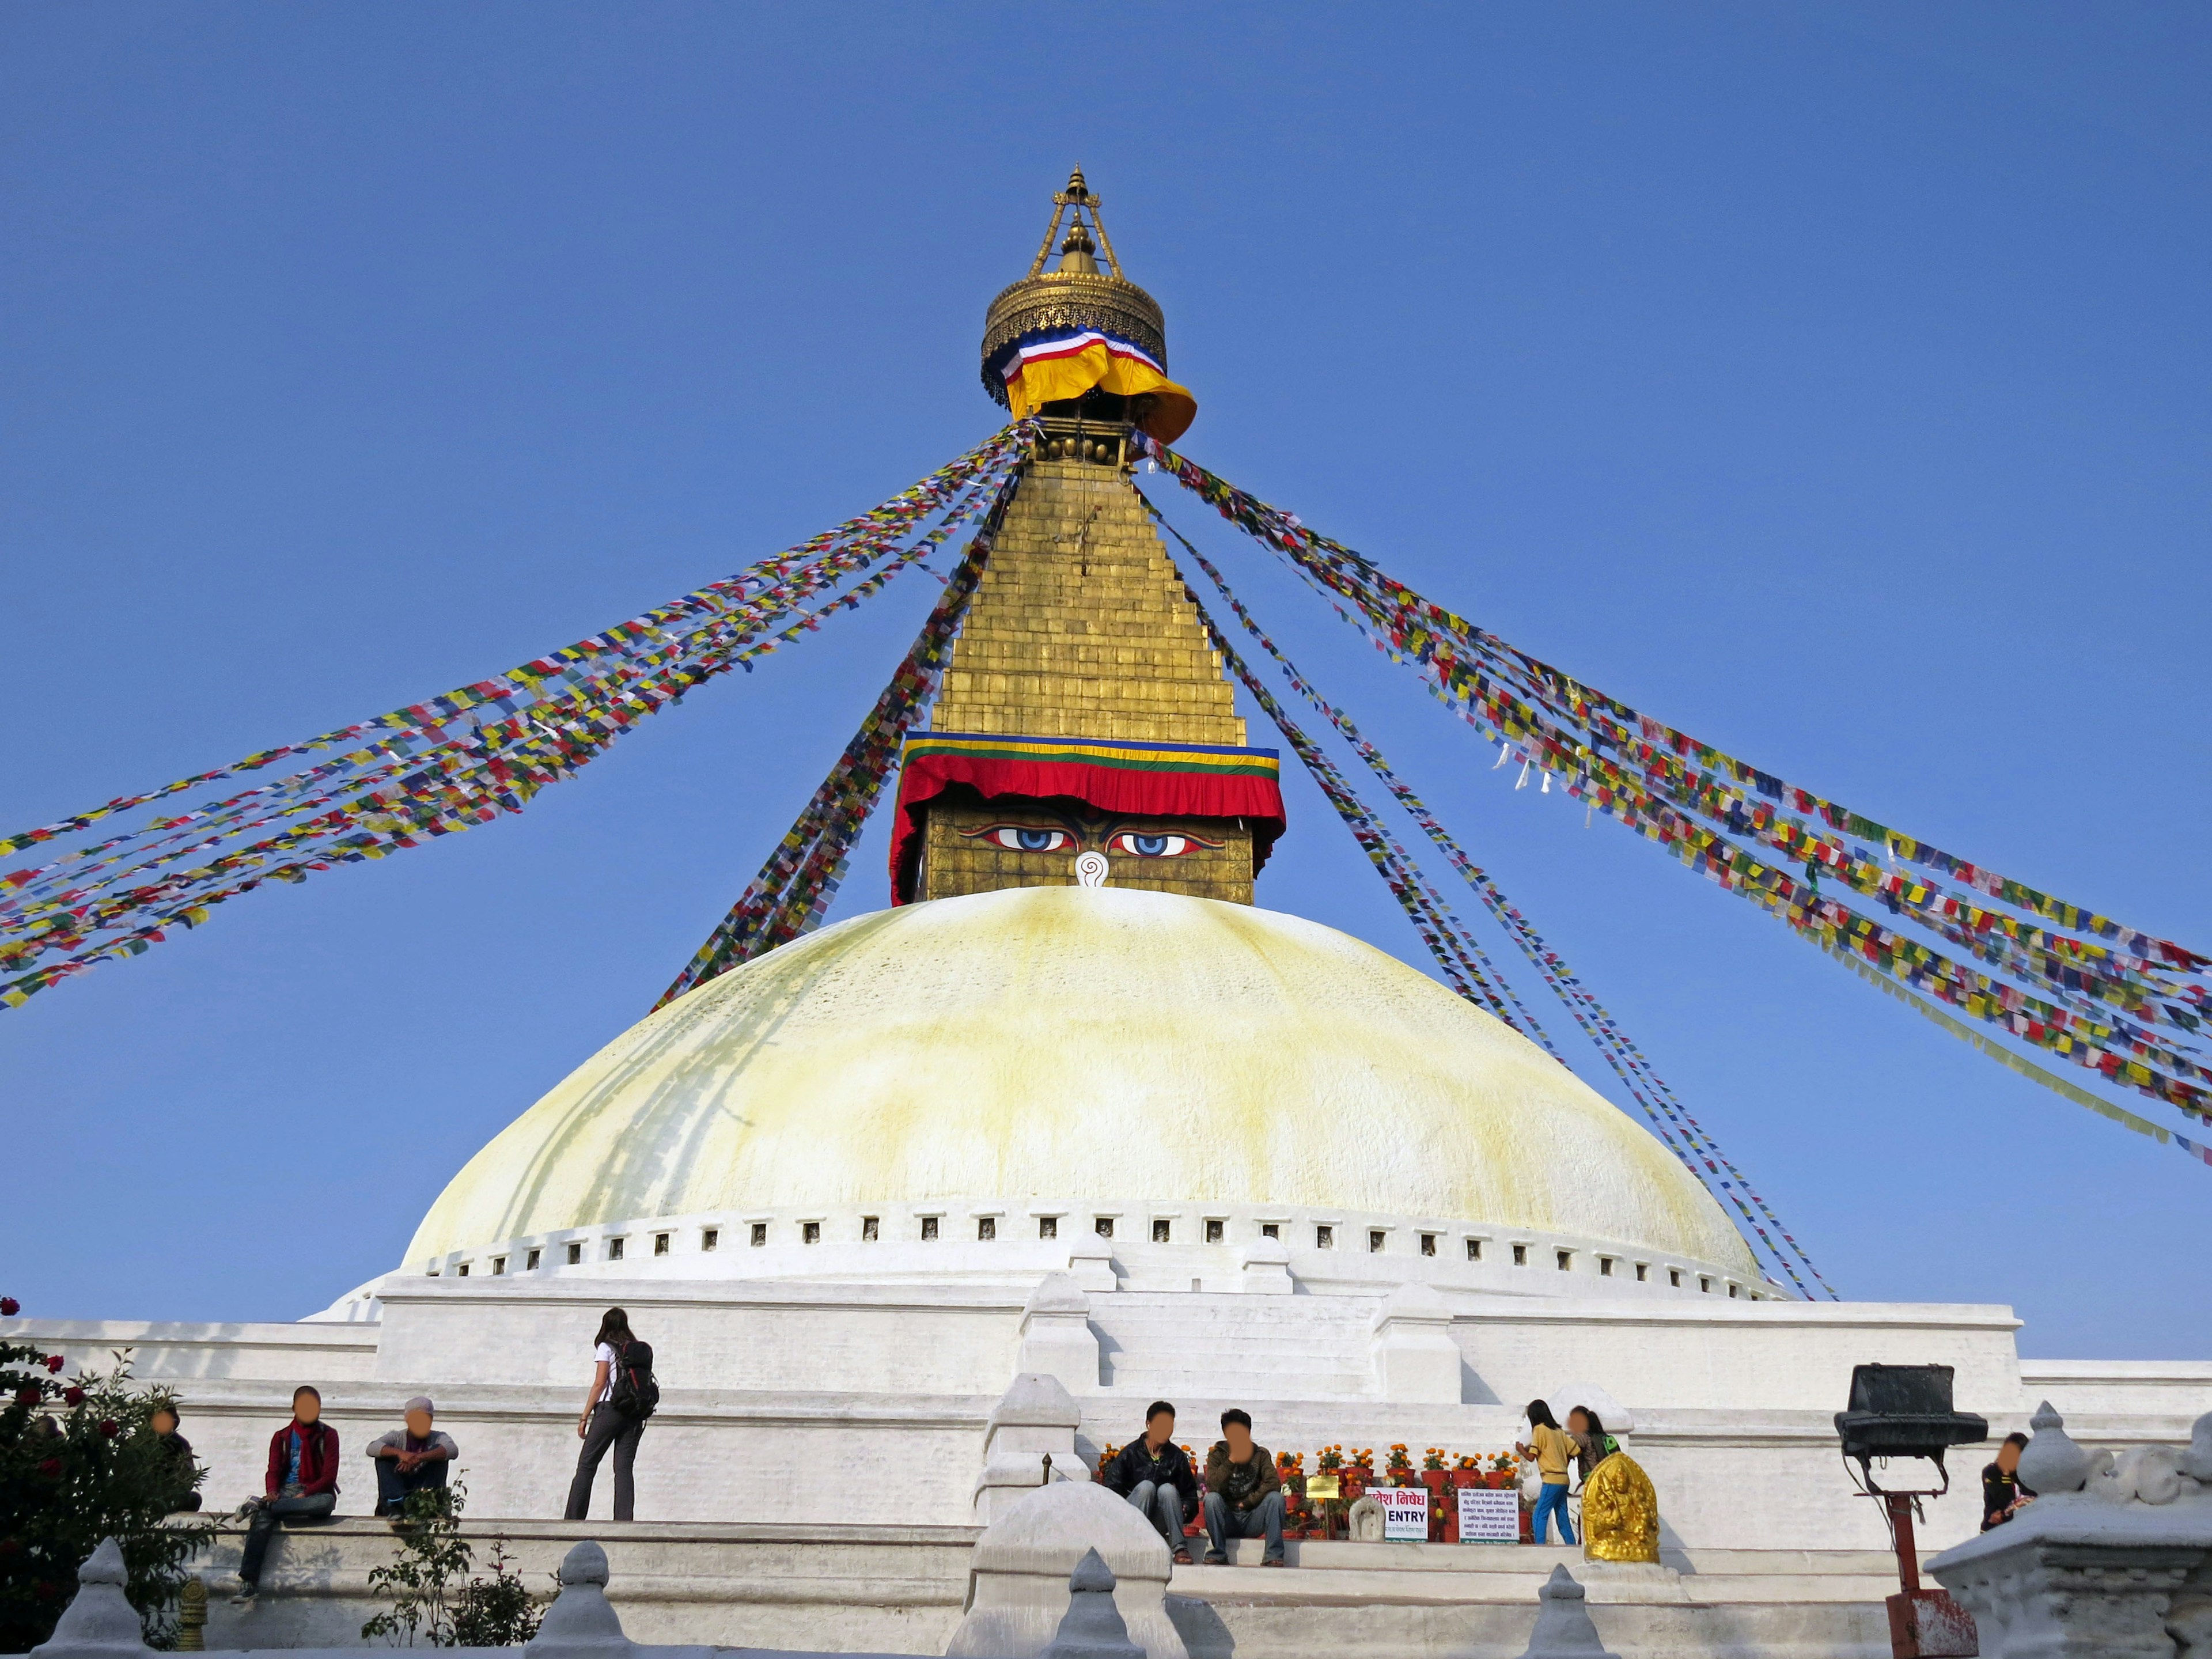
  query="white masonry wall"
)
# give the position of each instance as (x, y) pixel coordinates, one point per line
(850, 1402)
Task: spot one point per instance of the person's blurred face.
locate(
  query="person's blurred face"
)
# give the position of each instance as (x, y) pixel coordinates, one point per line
(1240, 1440)
(306, 1408)
(1159, 1430)
(2008, 1457)
(1578, 1421)
(163, 1422)
(418, 1424)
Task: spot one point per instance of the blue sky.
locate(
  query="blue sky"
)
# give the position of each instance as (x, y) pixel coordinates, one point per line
(1830, 381)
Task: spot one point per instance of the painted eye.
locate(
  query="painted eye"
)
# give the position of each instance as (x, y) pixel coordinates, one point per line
(1017, 839)
(1150, 847)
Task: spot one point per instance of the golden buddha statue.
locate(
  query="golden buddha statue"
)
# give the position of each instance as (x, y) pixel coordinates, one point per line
(1620, 1512)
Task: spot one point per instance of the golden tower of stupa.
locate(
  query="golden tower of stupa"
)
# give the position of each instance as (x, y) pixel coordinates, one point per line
(1085, 732)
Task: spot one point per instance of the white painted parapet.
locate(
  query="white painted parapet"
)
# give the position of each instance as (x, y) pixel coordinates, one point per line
(1266, 1269)
(1416, 1361)
(1056, 1335)
(1028, 1442)
(2113, 1560)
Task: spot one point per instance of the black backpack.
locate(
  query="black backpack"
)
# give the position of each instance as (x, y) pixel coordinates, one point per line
(635, 1395)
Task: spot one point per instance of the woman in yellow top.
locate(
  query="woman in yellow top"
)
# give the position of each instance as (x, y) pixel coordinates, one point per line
(1553, 1447)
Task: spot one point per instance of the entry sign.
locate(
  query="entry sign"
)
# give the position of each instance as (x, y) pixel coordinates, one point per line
(1487, 1515)
(1405, 1513)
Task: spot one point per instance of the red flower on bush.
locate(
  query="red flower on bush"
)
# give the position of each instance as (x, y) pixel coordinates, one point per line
(110, 1427)
(9, 1306)
(51, 1468)
(55, 1361)
(28, 1395)
(73, 1396)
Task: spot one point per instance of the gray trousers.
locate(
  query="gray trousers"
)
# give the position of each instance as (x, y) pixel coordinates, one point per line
(1161, 1503)
(1263, 1520)
(261, 1527)
(608, 1427)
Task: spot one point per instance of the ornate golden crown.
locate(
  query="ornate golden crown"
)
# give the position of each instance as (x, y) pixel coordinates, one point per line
(1076, 294)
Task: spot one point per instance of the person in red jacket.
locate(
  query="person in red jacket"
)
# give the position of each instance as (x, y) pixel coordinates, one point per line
(302, 1484)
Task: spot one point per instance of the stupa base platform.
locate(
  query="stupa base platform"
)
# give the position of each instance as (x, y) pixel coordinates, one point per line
(888, 1589)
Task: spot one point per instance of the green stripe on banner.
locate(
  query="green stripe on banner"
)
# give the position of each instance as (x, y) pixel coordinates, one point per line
(2025, 1068)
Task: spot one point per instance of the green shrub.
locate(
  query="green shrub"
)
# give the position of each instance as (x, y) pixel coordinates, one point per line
(78, 1464)
(434, 1593)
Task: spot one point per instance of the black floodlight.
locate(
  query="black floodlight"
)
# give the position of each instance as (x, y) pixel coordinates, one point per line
(1905, 1411)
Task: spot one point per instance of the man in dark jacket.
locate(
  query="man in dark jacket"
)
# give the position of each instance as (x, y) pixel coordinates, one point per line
(1153, 1473)
(1243, 1493)
(301, 1484)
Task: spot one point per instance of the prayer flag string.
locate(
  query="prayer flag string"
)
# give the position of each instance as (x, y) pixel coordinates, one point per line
(1628, 1062)
(793, 891)
(459, 760)
(1658, 782)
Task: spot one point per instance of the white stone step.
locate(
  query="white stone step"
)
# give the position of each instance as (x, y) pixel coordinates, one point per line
(1301, 1383)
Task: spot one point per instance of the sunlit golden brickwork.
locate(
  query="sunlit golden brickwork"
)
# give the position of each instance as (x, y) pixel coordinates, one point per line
(1080, 627)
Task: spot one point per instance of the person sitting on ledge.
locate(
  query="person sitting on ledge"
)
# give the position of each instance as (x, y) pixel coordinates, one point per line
(1243, 1493)
(1153, 1472)
(172, 1456)
(416, 1458)
(302, 1484)
(2002, 1496)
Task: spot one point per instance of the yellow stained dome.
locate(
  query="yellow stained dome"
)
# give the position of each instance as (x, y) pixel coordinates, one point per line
(1095, 1044)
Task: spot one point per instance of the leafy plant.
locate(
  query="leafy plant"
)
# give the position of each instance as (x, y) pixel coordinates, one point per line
(435, 1593)
(78, 1463)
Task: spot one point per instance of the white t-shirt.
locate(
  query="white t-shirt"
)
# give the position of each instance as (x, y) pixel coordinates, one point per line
(604, 1355)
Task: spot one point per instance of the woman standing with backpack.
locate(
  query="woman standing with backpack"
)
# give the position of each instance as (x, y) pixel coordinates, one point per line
(622, 1396)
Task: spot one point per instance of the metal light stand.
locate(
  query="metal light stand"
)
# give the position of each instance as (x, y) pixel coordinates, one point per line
(1905, 1411)
(1924, 1623)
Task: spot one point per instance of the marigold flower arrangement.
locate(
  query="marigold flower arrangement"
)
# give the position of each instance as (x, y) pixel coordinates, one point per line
(1434, 1458)
(1329, 1459)
(1362, 1459)
(1468, 1462)
(1399, 1458)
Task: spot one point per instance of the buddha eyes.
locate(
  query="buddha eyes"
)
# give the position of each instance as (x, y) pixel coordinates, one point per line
(1132, 843)
(1143, 846)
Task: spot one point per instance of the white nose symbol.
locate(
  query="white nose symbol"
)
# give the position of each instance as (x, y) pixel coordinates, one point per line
(1090, 868)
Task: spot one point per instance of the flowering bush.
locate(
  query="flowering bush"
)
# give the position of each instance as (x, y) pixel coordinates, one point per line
(1400, 1459)
(78, 1464)
(1363, 1460)
(1434, 1458)
(1329, 1459)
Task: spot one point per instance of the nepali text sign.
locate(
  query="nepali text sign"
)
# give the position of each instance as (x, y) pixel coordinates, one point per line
(1405, 1513)
(1488, 1516)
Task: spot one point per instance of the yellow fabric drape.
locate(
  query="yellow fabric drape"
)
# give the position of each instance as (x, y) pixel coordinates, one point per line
(1052, 379)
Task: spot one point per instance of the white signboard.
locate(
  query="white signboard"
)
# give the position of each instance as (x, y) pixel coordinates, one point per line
(1487, 1515)
(1405, 1513)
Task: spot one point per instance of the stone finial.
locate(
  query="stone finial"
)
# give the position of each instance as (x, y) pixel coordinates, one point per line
(582, 1622)
(99, 1623)
(1092, 1627)
(1563, 1630)
(192, 1617)
(2197, 1462)
(2051, 1463)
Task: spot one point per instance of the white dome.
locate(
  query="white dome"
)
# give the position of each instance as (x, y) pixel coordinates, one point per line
(1095, 1044)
